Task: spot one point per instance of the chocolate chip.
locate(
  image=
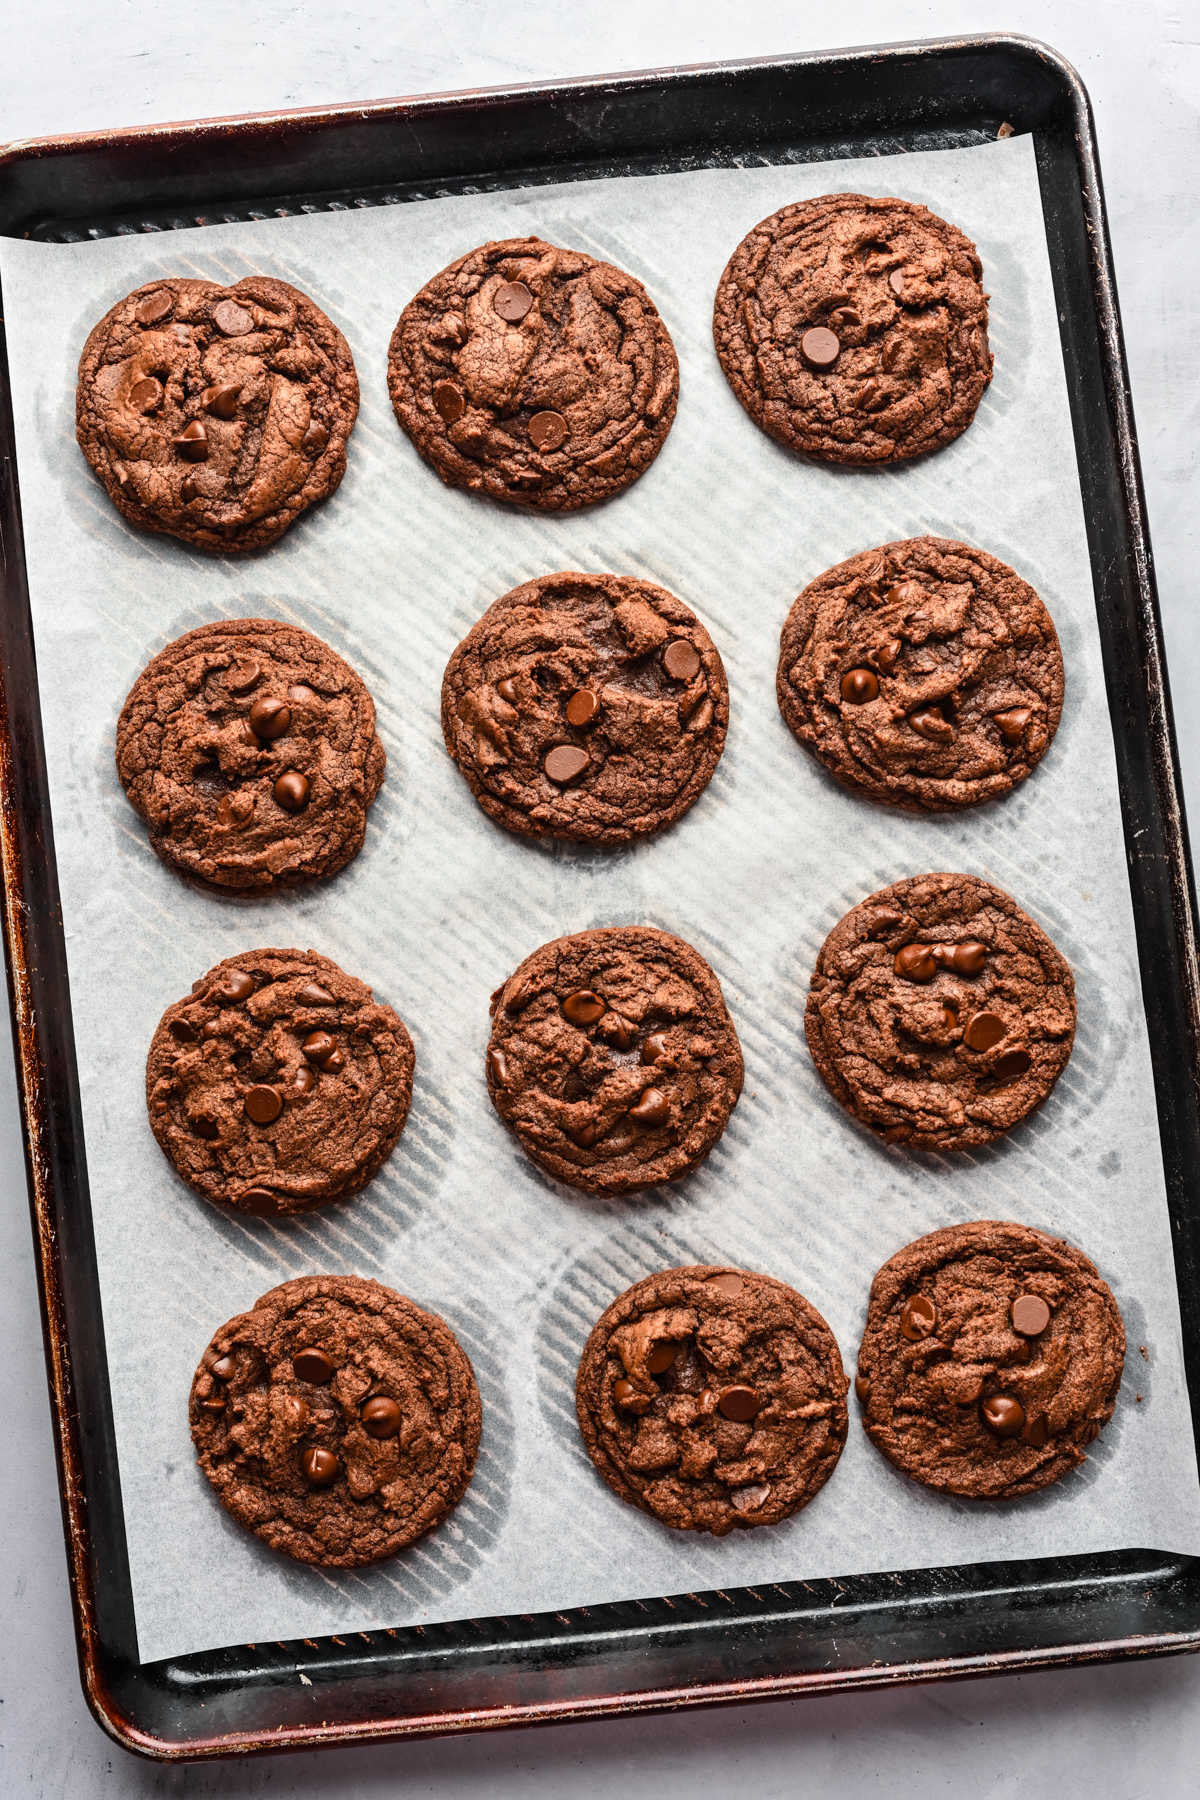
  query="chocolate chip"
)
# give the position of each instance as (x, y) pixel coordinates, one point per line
(652, 1110)
(313, 1366)
(1003, 1414)
(681, 660)
(565, 763)
(582, 707)
(154, 307)
(701, 719)
(320, 1467)
(146, 394)
(859, 686)
(1030, 1315)
(583, 1007)
(931, 722)
(318, 1046)
(966, 958)
(192, 442)
(886, 655)
(381, 1417)
(1009, 1066)
(313, 994)
(905, 593)
(654, 1047)
(236, 986)
(224, 1368)
(662, 1356)
(190, 489)
(242, 675)
(206, 1127)
(1037, 1432)
(749, 1499)
(862, 1388)
(915, 962)
(183, 1031)
(512, 300)
(1012, 723)
(295, 1411)
(547, 430)
(450, 401)
(618, 1031)
(896, 283)
(507, 690)
(334, 1061)
(222, 401)
(624, 1391)
(291, 791)
(258, 1200)
(983, 1029)
(726, 1283)
(231, 319)
(269, 718)
(302, 1082)
(315, 438)
(919, 1318)
(262, 1105)
(214, 1404)
(820, 347)
(497, 1067)
(739, 1404)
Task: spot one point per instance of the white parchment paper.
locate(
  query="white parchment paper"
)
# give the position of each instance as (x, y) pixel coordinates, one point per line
(441, 905)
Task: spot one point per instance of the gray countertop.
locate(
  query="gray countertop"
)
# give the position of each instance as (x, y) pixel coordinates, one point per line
(1128, 1730)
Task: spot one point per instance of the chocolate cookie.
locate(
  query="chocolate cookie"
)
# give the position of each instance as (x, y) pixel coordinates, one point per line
(279, 1082)
(336, 1420)
(249, 749)
(925, 673)
(613, 1059)
(216, 414)
(712, 1398)
(591, 707)
(939, 1014)
(534, 374)
(855, 329)
(991, 1357)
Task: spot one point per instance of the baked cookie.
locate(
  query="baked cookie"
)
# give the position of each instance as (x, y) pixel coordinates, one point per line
(925, 674)
(534, 374)
(613, 1059)
(216, 414)
(712, 1398)
(249, 749)
(591, 707)
(336, 1420)
(279, 1082)
(991, 1357)
(855, 329)
(939, 1014)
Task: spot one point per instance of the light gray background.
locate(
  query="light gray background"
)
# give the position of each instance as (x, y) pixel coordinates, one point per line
(1128, 1730)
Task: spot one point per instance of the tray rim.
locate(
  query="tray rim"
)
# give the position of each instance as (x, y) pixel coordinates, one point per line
(27, 1054)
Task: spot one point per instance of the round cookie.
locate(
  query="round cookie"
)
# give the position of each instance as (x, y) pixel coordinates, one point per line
(279, 1082)
(925, 674)
(591, 707)
(855, 329)
(249, 749)
(336, 1420)
(534, 374)
(613, 1058)
(939, 1014)
(712, 1398)
(991, 1358)
(216, 414)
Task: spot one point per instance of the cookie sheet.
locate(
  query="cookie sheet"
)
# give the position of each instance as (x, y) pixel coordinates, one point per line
(442, 905)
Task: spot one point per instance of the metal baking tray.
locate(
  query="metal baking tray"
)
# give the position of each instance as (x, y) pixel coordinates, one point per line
(683, 1649)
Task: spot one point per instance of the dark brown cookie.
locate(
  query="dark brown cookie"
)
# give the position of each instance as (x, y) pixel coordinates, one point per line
(855, 329)
(939, 1014)
(216, 414)
(591, 707)
(279, 1082)
(613, 1058)
(991, 1357)
(336, 1420)
(712, 1398)
(534, 374)
(249, 749)
(925, 674)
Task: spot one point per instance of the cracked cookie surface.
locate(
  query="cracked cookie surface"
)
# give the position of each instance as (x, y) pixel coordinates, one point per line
(249, 749)
(613, 1058)
(279, 1082)
(925, 674)
(939, 1014)
(216, 414)
(991, 1358)
(534, 374)
(336, 1420)
(854, 329)
(591, 707)
(713, 1398)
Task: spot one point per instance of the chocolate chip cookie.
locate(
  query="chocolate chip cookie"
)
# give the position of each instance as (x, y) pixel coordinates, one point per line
(279, 1082)
(591, 707)
(216, 414)
(991, 1358)
(535, 375)
(712, 1398)
(939, 1014)
(613, 1059)
(855, 329)
(249, 749)
(336, 1420)
(925, 674)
